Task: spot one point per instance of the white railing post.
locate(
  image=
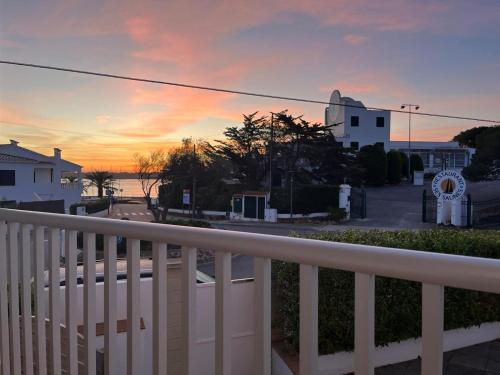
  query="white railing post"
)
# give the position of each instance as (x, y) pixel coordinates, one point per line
(159, 308)
(89, 302)
(54, 290)
(110, 307)
(188, 292)
(27, 349)
(133, 306)
(4, 302)
(432, 329)
(15, 349)
(223, 318)
(364, 324)
(41, 353)
(262, 316)
(70, 251)
(308, 355)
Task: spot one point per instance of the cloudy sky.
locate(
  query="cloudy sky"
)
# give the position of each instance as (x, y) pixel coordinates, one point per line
(443, 55)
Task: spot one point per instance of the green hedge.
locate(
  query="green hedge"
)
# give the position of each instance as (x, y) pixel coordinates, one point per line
(90, 206)
(306, 199)
(398, 303)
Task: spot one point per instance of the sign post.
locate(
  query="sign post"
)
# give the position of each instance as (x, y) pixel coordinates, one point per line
(449, 187)
(186, 197)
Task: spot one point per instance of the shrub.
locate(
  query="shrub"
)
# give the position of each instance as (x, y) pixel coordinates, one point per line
(306, 198)
(374, 162)
(416, 163)
(394, 167)
(336, 214)
(404, 164)
(398, 302)
(188, 223)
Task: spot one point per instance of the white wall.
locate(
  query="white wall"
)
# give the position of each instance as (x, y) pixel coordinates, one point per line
(367, 133)
(242, 303)
(25, 190)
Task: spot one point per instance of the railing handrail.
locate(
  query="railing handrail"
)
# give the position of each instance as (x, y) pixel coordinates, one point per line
(466, 272)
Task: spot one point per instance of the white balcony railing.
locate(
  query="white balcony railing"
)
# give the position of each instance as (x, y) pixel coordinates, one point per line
(18, 341)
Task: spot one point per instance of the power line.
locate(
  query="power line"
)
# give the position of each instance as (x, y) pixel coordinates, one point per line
(237, 92)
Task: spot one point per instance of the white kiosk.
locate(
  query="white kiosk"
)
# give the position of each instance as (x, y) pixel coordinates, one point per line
(449, 187)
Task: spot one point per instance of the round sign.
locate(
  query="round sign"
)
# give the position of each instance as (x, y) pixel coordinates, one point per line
(448, 185)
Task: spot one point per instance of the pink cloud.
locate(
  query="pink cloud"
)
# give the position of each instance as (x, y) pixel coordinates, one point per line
(355, 39)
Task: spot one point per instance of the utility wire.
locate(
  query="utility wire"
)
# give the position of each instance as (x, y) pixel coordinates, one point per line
(238, 92)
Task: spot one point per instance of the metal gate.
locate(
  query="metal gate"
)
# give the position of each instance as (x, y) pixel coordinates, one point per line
(429, 209)
(358, 203)
(486, 213)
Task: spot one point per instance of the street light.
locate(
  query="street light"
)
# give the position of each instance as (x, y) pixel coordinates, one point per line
(415, 107)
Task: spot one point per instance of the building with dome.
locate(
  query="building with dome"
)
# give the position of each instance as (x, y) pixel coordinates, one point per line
(355, 126)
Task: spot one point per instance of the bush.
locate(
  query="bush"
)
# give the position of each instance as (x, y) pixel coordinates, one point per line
(416, 163)
(374, 162)
(336, 214)
(90, 206)
(404, 164)
(398, 302)
(394, 167)
(188, 223)
(306, 198)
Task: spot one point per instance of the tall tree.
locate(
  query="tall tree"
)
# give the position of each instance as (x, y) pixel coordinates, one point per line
(468, 137)
(149, 171)
(486, 161)
(101, 180)
(245, 148)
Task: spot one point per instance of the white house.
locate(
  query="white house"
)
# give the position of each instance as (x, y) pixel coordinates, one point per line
(358, 126)
(27, 176)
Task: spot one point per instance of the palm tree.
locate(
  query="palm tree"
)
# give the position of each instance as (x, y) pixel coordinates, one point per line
(101, 180)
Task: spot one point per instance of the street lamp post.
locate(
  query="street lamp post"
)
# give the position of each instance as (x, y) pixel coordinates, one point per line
(291, 194)
(271, 155)
(415, 107)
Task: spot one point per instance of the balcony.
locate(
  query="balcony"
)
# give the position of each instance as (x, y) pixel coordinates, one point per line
(62, 321)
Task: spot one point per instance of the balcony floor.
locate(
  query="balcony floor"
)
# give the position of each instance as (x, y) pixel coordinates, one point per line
(481, 359)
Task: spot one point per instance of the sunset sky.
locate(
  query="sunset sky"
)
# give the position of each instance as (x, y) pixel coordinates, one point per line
(443, 55)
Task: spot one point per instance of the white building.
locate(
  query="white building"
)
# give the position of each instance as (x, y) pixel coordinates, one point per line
(358, 126)
(27, 176)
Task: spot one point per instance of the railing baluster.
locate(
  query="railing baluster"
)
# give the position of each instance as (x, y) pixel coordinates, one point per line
(364, 324)
(15, 349)
(159, 308)
(189, 308)
(432, 329)
(27, 335)
(89, 301)
(223, 321)
(262, 316)
(70, 251)
(308, 356)
(41, 353)
(55, 284)
(4, 302)
(110, 304)
(133, 306)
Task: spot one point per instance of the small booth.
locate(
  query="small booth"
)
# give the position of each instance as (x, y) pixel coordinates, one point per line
(251, 206)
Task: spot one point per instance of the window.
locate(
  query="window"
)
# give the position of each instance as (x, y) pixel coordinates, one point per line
(354, 121)
(381, 144)
(380, 122)
(7, 178)
(340, 144)
(355, 145)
